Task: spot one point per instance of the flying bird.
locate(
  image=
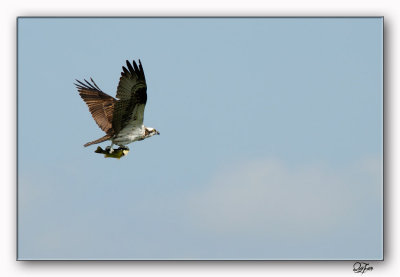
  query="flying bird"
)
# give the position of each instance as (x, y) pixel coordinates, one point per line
(121, 118)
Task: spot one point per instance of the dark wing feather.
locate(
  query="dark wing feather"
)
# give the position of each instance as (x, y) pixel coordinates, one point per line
(101, 105)
(132, 92)
(131, 79)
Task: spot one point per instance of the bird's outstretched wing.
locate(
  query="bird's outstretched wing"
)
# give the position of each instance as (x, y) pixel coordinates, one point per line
(101, 105)
(132, 96)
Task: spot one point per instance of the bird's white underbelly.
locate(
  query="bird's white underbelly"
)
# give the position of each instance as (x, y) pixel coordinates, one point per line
(129, 134)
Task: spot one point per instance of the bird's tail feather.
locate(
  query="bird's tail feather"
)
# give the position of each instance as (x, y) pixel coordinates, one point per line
(106, 137)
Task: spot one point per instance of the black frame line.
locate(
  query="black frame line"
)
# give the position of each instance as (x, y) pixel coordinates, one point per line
(186, 260)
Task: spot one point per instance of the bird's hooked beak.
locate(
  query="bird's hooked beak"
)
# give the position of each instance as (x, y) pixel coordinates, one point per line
(157, 132)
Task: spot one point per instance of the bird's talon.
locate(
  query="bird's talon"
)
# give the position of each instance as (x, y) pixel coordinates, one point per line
(109, 149)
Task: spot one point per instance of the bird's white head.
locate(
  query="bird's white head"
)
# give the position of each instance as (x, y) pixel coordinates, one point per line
(149, 132)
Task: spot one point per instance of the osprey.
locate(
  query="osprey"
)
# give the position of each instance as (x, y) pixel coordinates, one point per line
(121, 119)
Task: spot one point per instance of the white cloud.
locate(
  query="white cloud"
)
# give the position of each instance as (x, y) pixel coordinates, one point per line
(268, 197)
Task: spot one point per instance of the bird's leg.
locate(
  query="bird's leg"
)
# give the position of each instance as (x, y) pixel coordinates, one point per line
(123, 148)
(109, 149)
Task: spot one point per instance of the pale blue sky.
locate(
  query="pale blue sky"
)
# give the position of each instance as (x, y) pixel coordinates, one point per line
(270, 145)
